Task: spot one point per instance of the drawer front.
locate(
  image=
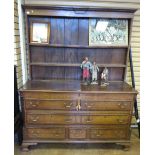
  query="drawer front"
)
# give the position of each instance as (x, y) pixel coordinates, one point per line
(95, 105)
(77, 133)
(74, 119)
(107, 97)
(51, 95)
(48, 133)
(122, 119)
(108, 134)
(51, 104)
(52, 119)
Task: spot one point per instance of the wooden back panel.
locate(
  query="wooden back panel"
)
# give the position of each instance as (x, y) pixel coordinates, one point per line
(72, 34)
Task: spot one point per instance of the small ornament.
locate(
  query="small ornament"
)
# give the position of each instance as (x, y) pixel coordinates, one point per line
(86, 66)
(94, 71)
(104, 77)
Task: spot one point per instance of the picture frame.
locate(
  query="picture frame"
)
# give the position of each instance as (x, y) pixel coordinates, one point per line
(39, 32)
(108, 32)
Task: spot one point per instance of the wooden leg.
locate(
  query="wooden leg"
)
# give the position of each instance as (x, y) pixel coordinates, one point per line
(126, 147)
(20, 135)
(25, 146)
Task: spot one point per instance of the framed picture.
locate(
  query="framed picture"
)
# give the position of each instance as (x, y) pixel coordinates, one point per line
(108, 32)
(39, 32)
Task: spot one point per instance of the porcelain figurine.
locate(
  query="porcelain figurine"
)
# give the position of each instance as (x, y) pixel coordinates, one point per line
(94, 71)
(86, 66)
(104, 77)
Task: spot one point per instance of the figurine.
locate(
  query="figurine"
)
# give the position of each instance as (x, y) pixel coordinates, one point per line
(104, 77)
(94, 71)
(86, 66)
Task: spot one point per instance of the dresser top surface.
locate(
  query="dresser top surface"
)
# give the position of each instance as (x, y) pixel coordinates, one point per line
(75, 86)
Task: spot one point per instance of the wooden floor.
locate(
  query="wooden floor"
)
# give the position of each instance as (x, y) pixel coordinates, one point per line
(83, 149)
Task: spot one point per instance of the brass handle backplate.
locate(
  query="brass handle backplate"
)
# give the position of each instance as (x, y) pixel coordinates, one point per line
(35, 104)
(68, 106)
(35, 119)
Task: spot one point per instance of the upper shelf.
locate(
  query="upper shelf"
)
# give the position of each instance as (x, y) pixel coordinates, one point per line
(74, 46)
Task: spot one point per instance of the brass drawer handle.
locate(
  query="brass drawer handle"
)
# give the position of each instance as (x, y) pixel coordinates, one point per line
(68, 120)
(121, 121)
(122, 105)
(34, 104)
(98, 135)
(35, 132)
(35, 135)
(68, 106)
(88, 121)
(88, 106)
(34, 119)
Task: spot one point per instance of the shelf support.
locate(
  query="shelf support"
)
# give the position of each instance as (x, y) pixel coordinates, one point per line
(133, 85)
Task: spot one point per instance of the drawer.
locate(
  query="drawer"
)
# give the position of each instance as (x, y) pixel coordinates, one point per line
(47, 133)
(109, 119)
(99, 133)
(76, 119)
(52, 119)
(51, 104)
(95, 105)
(77, 133)
(51, 95)
(107, 97)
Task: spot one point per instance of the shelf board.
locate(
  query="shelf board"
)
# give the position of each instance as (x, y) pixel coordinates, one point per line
(74, 46)
(73, 65)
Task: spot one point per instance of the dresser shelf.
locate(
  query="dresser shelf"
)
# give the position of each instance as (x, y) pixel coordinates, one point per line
(73, 46)
(73, 65)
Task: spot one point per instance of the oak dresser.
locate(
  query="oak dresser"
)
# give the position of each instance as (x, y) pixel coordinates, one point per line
(57, 108)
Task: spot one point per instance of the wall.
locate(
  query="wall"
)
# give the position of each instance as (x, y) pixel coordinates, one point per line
(17, 47)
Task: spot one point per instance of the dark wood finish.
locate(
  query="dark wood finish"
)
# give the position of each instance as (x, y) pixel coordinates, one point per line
(133, 85)
(73, 65)
(82, 45)
(57, 108)
(108, 134)
(32, 88)
(79, 14)
(104, 113)
(129, 45)
(51, 104)
(51, 133)
(73, 72)
(47, 119)
(71, 105)
(78, 8)
(68, 46)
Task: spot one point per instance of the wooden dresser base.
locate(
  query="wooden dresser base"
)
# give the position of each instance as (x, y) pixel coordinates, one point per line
(89, 114)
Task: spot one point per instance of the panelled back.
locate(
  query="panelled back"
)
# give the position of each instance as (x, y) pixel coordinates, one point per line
(68, 45)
